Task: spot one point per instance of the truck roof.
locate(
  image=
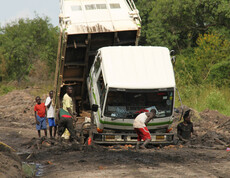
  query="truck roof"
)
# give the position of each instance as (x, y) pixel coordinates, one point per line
(137, 67)
(94, 16)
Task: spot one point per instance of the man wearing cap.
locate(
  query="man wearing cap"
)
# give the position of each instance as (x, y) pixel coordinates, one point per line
(185, 128)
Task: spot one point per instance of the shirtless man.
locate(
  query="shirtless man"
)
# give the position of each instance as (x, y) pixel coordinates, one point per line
(185, 128)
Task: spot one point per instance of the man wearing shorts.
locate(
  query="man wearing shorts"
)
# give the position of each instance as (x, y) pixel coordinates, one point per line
(40, 116)
(142, 131)
(50, 114)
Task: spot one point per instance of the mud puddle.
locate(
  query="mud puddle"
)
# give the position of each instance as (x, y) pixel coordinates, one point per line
(33, 169)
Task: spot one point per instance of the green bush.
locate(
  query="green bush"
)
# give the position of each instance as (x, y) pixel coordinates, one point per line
(220, 74)
(215, 101)
(4, 89)
(205, 96)
(25, 41)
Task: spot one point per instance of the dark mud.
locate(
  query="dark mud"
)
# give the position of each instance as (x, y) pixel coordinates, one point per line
(205, 156)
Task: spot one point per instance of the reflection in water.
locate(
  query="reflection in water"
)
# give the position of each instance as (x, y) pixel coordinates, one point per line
(33, 169)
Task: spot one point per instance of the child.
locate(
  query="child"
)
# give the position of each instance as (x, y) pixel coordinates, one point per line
(40, 116)
(50, 114)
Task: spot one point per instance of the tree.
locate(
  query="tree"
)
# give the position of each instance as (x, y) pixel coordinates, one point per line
(2, 66)
(206, 63)
(220, 74)
(24, 41)
(213, 59)
(177, 24)
(145, 7)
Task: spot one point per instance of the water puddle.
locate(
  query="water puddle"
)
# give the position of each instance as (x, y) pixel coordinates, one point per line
(33, 169)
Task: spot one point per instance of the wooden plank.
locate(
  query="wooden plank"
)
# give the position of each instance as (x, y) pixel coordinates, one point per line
(63, 56)
(86, 66)
(57, 72)
(76, 45)
(74, 64)
(73, 79)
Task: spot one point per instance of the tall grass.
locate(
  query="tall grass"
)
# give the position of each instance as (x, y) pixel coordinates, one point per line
(40, 81)
(196, 97)
(34, 88)
(205, 97)
(6, 88)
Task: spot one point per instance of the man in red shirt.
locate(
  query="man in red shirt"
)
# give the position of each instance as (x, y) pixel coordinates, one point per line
(40, 116)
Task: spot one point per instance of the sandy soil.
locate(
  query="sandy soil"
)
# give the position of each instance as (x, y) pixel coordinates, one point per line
(204, 157)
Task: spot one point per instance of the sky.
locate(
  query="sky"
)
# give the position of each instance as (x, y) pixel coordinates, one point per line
(11, 10)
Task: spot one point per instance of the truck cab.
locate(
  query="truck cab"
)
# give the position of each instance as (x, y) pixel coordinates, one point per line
(125, 81)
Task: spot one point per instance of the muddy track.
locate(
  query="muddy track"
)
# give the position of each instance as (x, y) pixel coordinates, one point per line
(205, 157)
(102, 161)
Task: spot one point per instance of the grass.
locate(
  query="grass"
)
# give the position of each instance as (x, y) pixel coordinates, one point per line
(37, 89)
(6, 88)
(196, 97)
(205, 97)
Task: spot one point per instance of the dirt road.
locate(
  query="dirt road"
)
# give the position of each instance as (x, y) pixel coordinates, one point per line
(205, 158)
(118, 161)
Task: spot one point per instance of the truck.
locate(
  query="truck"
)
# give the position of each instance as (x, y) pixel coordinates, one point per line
(99, 57)
(86, 26)
(125, 81)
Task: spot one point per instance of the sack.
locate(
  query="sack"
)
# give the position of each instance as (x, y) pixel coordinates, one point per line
(66, 134)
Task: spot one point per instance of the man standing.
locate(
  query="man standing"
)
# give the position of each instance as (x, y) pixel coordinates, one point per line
(140, 126)
(68, 102)
(50, 113)
(40, 116)
(185, 128)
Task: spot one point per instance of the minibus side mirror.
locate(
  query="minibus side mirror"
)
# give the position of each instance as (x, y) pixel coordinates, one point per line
(94, 107)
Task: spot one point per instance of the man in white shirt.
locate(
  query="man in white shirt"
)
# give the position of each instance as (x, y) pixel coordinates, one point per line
(50, 113)
(140, 126)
